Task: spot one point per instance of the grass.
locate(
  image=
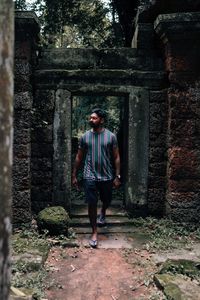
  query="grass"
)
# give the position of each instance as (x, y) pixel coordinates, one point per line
(164, 234)
(29, 274)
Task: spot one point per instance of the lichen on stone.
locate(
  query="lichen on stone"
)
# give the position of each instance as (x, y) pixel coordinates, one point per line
(54, 219)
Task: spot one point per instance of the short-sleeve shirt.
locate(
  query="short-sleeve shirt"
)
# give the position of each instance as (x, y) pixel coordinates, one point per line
(98, 147)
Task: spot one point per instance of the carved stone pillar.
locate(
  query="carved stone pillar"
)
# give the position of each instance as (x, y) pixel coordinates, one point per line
(180, 35)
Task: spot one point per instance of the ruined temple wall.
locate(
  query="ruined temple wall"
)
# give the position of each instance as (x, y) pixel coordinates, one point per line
(42, 149)
(26, 35)
(157, 152)
(146, 42)
(180, 35)
(178, 42)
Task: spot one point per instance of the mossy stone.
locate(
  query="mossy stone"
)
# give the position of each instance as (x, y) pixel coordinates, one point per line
(181, 266)
(55, 219)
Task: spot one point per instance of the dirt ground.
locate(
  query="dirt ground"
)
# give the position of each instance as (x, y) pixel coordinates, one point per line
(116, 273)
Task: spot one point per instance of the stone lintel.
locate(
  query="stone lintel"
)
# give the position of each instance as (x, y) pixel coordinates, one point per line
(53, 78)
(178, 27)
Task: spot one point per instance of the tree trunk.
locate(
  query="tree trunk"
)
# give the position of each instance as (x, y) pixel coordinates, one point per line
(6, 97)
(126, 10)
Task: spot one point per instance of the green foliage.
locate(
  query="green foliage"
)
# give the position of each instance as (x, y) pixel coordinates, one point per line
(82, 106)
(20, 4)
(29, 275)
(76, 23)
(181, 266)
(166, 234)
(27, 240)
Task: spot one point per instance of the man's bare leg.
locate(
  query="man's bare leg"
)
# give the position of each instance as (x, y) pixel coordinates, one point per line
(92, 213)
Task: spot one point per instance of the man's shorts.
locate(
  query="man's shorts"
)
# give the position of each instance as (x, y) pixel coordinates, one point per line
(94, 188)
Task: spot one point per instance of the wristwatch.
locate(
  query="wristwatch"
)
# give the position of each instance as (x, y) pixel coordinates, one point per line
(118, 176)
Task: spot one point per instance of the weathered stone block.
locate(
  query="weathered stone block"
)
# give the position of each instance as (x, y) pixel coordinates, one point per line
(177, 127)
(54, 219)
(157, 169)
(41, 194)
(21, 181)
(41, 178)
(22, 135)
(42, 117)
(43, 164)
(183, 214)
(42, 150)
(44, 134)
(156, 195)
(21, 215)
(177, 64)
(179, 103)
(44, 99)
(22, 199)
(22, 119)
(23, 84)
(21, 166)
(158, 96)
(157, 155)
(156, 208)
(23, 100)
(158, 141)
(184, 185)
(184, 163)
(23, 49)
(22, 151)
(183, 200)
(21, 174)
(157, 181)
(22, 67)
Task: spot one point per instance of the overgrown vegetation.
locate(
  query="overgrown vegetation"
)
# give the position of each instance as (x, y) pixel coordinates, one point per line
(165, 234)
(29, 253)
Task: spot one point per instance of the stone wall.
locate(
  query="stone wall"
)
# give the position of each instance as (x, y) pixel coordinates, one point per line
(157, 152)
(146, 42)
(42, 149)
(26, 38)
(180, 34)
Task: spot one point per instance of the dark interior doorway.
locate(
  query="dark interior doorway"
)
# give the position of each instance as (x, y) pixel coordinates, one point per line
(116, 109)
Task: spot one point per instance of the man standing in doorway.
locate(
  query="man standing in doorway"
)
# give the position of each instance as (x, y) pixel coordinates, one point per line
(100, 148)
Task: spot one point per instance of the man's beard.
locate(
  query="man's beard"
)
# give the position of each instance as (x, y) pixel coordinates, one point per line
(94, 125)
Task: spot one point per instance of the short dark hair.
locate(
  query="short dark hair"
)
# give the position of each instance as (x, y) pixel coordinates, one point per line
(100, 112)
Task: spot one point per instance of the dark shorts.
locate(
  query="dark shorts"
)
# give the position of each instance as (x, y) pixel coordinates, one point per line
(93, 189)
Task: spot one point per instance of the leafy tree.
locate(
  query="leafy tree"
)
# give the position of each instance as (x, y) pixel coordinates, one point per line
(82, 106)
(75, 23)
(20, 4)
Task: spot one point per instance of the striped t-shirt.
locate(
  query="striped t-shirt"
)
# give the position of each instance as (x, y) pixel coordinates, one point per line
(98, 148)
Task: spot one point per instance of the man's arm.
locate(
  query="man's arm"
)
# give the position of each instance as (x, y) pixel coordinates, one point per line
(116, 157)
(77, 163)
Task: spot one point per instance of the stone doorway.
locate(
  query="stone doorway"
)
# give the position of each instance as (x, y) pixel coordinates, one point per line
(135, 144)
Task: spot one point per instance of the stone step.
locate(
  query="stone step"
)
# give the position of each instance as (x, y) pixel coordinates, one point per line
(82, 211)
(105, 230)
(110, 221)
